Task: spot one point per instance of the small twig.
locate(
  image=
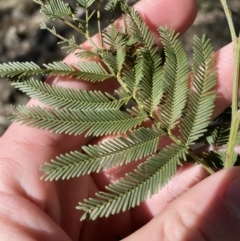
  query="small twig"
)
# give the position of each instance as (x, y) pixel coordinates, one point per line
(236, 52)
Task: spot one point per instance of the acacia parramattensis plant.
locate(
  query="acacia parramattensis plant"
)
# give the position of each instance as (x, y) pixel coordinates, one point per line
(154, 87)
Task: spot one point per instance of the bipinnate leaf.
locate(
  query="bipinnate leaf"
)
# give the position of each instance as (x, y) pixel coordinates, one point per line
(92, 71)
(111, 5)
(201, 100)
(148, 70)
(85, 3)
(135, 187)
(217, 134)
(55, 9)
(75, 122)
(143, 75)
(116, 59)
(147, 87)
(128, 77)
(175, 79)
(17, 70)
(219, 129)
(87, 54)
(113, 38)
(139, 28)
(88, 71)
(60, 97)
(116, 152)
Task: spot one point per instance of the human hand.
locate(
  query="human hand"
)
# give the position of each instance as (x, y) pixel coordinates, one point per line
(31, 209)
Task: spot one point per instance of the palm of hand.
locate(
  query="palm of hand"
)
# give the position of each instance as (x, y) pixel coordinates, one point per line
(53, 203)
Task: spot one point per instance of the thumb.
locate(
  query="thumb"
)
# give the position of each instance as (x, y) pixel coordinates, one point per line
(209, 211)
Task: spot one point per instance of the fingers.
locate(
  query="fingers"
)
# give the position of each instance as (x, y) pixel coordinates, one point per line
(225, 63)
(21, 219)
(209, 211)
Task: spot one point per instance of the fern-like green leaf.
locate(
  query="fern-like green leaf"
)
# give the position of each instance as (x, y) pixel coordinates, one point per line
(110, 60)
(149, 91)
(85, 3)
(120, 58)
(139, 28)
(88, 71)
(111, 5)
(115, 41)
(225, 117)
(70, 46)
(113, 38)
(129, 78)
(55, 9)
(75, 122)
(201, 100)
(87, 54)
(60, 97)
(148, 69)
(218, 131)
(143, 74)
(148, 79)
(116, 152)
(157, 89)
(17, 70)
(135, 187)
(175, 79)
(216, 134)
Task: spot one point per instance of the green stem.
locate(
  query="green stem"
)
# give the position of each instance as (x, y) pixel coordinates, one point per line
(62, 38)
(228, 14)
(124, 86)
(78, 30)
(236, 75)
(232, 140)
(174, 138)
(235, 121)
(87, 19)
(99, 24)
(72, 26)
(87, 34)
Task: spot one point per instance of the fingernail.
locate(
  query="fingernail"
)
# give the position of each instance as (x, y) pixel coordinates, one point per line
(232, 197)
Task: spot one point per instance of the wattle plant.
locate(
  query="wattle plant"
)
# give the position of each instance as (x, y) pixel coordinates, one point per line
(151, 89)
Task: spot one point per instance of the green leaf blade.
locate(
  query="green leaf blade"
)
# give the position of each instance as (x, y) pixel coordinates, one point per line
(55, 9)
(175, 79)
(201, 101)
(85, 3)
(117, 152)
(75, 122)
(17, 70)
(139, 28)
(60, 97)
(135, 187)
(92, 71)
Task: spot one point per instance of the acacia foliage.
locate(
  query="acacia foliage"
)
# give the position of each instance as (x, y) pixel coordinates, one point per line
(150, 89)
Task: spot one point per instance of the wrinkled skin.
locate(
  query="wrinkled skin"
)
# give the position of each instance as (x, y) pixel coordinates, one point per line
(187, 208)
